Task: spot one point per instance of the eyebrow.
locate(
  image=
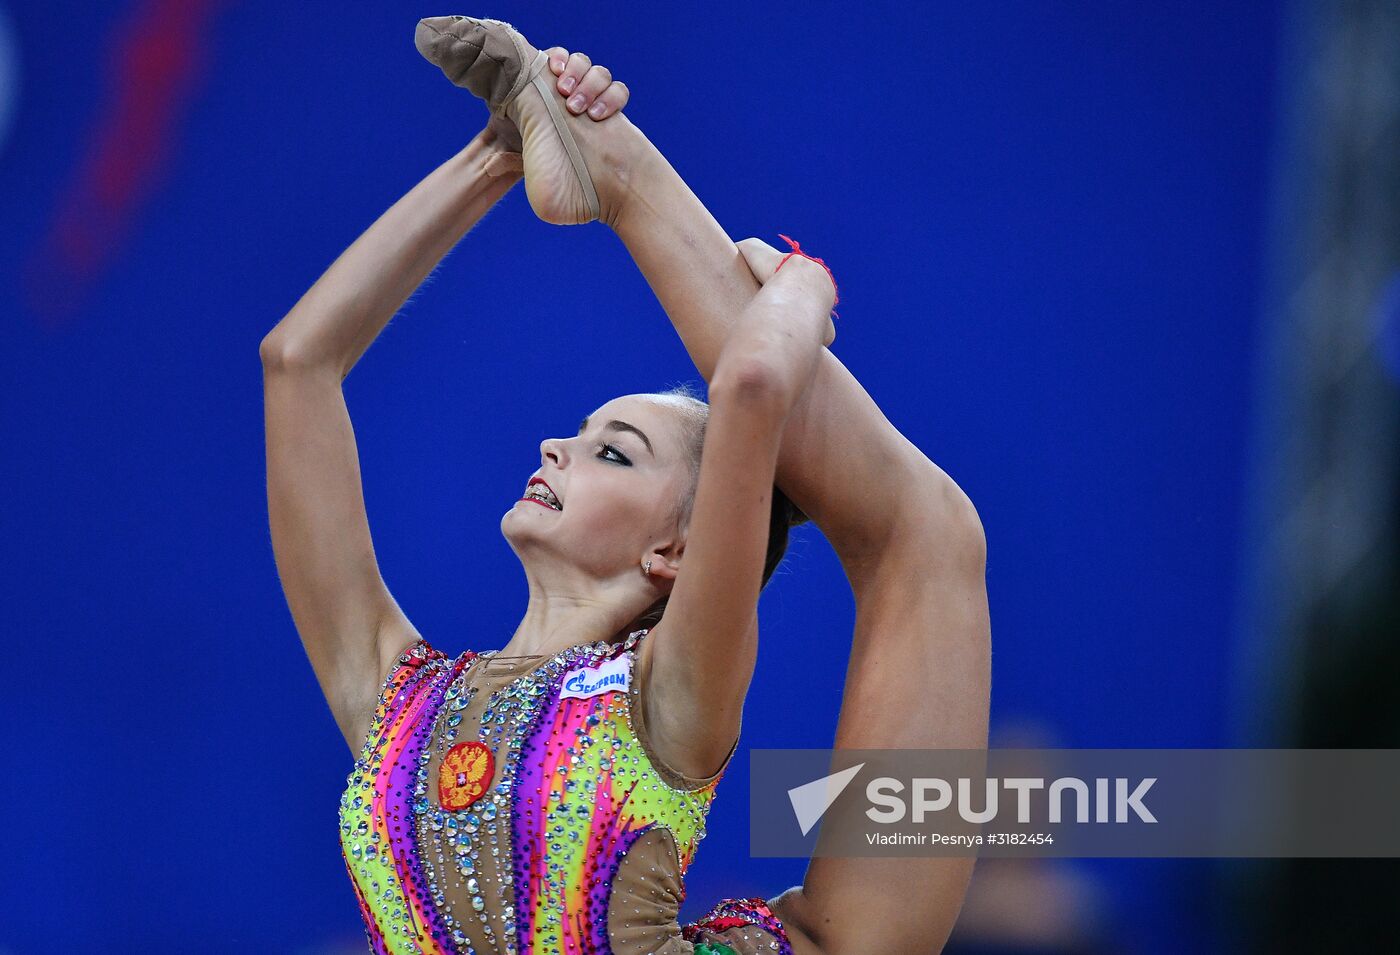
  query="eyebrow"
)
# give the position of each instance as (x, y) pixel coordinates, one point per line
(620, 426)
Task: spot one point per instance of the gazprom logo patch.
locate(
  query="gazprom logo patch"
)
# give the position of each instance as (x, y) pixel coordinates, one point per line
(582, 682)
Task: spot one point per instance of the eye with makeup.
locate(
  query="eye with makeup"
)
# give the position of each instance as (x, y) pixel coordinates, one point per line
(621, 458)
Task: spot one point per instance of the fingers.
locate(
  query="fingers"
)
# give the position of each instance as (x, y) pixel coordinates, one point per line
(505, 164)
(574, 68)
(593, 83)
(610, 101)
(763, 261)
(761, 257)
(590, 88)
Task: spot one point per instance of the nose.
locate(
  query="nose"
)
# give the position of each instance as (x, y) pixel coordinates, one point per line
(552, 450)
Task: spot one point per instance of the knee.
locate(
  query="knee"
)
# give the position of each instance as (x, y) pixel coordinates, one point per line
(962, 524)
(941, 520)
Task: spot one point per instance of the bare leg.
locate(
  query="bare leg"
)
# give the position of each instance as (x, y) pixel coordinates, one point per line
(917, 679)
(919, 670)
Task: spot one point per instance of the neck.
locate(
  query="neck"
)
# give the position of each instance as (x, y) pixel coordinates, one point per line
(557, 618)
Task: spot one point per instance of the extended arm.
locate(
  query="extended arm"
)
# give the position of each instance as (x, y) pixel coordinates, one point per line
(703, 664)
(349, 623)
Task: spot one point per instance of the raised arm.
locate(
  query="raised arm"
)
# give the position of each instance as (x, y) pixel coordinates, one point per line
(703, 664)
(910, 541)
(349, 623)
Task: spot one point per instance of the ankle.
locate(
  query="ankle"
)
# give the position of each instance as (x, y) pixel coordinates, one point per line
(631, 162)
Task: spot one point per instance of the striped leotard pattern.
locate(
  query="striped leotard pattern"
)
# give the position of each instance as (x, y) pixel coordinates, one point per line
(376, 814)
(574, 790)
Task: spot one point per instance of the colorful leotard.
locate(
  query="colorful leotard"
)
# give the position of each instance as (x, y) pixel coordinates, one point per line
(505, 807)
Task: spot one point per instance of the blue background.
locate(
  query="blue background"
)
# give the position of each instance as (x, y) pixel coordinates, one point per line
(1047, 222)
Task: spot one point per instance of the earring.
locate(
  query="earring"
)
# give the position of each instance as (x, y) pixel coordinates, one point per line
(647, 567)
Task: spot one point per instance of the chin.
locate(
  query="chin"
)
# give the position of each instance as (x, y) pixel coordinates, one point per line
(510, 519)
(517, 524)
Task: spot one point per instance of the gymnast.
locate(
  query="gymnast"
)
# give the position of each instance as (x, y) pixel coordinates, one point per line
(548, 797)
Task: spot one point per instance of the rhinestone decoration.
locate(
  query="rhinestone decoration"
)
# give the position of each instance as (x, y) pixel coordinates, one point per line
(517, 845)
(739, 926)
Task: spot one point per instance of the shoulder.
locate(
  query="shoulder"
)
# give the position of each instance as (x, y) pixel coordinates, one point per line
(404, 675)
(406, 651)
(409, 662)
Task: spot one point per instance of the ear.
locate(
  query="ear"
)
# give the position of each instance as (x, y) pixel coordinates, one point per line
(665, 562)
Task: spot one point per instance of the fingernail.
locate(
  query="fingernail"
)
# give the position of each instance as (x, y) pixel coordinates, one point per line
(596, 110)
(576, 104)
(568, 84)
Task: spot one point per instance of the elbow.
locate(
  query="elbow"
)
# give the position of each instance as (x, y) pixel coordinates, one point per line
(278, 353)
(271, 351)
(752, 382)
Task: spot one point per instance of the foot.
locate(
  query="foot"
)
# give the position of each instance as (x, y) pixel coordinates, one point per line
(495, 63)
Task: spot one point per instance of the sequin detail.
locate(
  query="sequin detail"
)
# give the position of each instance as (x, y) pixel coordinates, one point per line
(574, 790)
(376, 817)
(736, 922)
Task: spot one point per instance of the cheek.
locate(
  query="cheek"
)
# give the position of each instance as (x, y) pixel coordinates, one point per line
(621, 515)
(606, 506)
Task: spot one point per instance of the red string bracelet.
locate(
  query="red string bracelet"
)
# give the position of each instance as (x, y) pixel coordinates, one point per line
(797, 250)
